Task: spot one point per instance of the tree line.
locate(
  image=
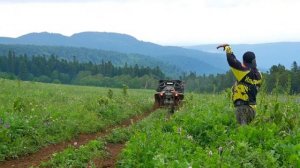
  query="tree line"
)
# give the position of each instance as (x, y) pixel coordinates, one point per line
(55, 70)
(278, 79)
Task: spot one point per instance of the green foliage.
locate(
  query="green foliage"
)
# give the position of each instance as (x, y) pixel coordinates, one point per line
(125, 90)
(277, 80)
(110, 94)
(84, 55)
(119, 135)
(67, 157)
(77, 157)
(204, 133)
(35, 114)
(54, 70)
(19, 105)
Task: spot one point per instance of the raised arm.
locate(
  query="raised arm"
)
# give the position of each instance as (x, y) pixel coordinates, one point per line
(236, 66)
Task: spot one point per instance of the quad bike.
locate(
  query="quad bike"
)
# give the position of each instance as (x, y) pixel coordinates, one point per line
(169, 94)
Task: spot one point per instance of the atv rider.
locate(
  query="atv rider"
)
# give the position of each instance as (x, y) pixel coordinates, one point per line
(246, 87)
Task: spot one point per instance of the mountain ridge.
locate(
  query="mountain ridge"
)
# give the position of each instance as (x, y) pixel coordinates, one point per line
(87, 55)
(185, 59)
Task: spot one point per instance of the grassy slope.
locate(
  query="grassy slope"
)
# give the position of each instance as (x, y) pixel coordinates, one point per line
(33, 115)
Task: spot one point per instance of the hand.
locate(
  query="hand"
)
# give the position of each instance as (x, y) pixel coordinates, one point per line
(226, 48)
(222, 45)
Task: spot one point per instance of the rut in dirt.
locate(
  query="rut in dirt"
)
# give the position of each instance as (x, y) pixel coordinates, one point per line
(44, 154)
(113, 150)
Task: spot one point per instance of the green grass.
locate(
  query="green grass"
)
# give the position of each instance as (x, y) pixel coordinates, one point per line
(77, 157)
(33, 115)
(85, 154)
(204, 133)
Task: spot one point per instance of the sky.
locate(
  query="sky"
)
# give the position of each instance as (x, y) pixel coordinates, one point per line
(166, 22)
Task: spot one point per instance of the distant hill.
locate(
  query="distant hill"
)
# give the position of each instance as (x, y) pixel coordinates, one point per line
(88, 55)
(267, 54)
(184, 59)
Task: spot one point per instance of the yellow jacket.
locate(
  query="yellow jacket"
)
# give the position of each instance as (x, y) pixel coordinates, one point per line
(248, 80)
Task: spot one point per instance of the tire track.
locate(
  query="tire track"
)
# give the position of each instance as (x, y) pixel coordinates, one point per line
(114, 149)
(44, 154)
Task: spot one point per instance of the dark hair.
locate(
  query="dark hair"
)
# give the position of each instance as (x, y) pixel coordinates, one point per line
(248, 57)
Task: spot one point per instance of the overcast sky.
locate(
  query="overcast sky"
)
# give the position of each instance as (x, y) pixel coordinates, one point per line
(167, 22)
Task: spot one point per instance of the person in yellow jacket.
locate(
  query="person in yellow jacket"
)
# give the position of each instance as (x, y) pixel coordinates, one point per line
(246, 87)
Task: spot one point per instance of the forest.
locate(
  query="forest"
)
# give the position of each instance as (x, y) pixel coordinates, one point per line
(36, 118)
(57, 70)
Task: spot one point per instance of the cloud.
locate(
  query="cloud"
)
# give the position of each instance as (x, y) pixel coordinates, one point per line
(162, 21)
(225, 4)
(51, 1)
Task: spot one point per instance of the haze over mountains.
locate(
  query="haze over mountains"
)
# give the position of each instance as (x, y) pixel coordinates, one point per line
(184, 59)
(121, 48)
(88, 55)
(267, 54)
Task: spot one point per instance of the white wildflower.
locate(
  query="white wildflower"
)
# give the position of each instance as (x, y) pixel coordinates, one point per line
(210, 153)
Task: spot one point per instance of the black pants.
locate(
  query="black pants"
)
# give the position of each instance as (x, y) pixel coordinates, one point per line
(244, 114)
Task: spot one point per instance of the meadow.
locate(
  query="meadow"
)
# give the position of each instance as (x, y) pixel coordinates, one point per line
(34, 115)
(203, 132)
